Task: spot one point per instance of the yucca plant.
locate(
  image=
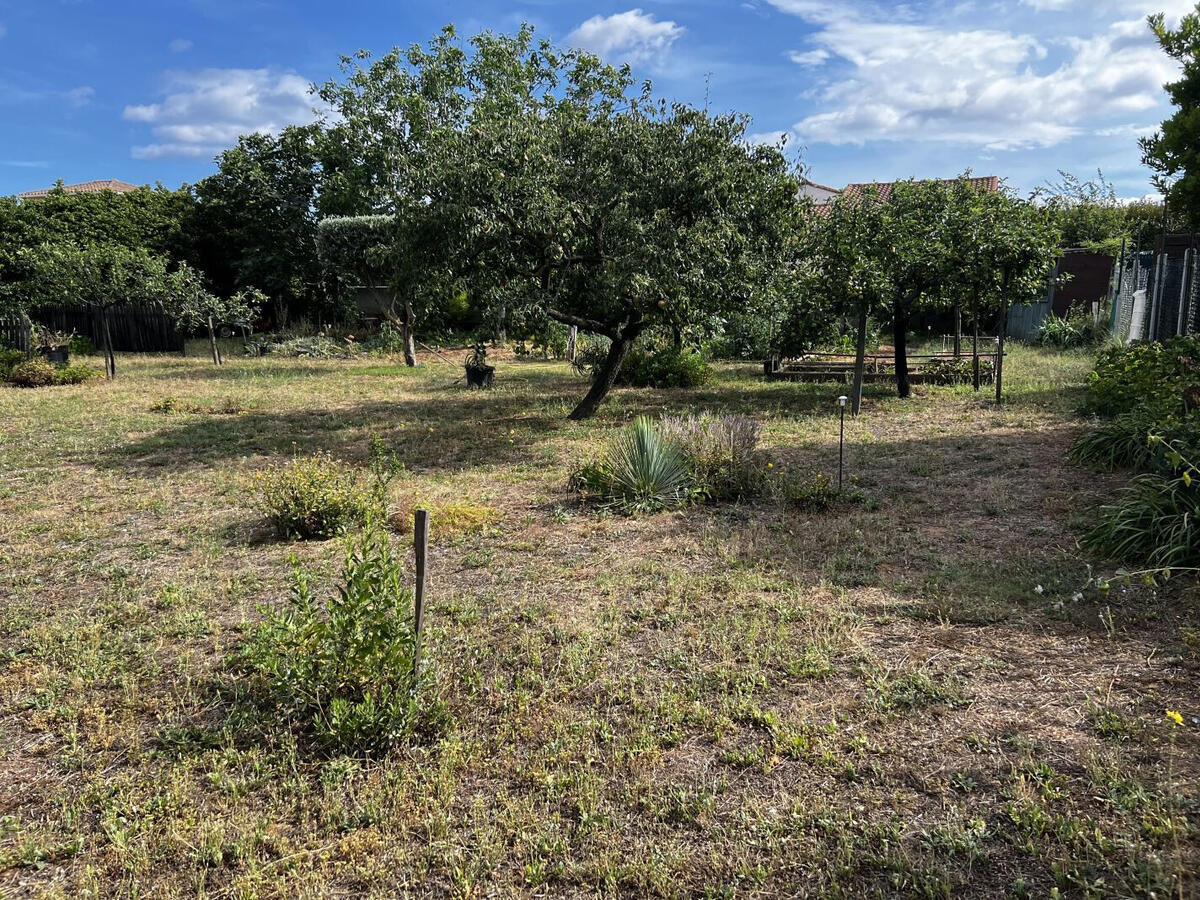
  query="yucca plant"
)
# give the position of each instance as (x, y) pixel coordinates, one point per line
(639, 471)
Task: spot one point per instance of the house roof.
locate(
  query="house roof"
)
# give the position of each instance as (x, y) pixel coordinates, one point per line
(85, 187)
(988, 184)
(824, 187)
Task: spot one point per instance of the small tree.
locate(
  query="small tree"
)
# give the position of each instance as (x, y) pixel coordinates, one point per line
(847, 272)
(192, 306)
(99, 277)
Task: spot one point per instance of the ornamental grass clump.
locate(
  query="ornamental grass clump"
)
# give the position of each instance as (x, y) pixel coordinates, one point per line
(314, 497)
(639, 471)
(1153, 519)
(721, 451)
(1124, 442)
(339, 670)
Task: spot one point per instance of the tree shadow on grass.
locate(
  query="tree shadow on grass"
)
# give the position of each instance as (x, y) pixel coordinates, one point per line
(426, 435)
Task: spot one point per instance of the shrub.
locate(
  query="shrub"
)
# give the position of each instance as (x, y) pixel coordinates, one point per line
(82, 346)
(643, 367)
(75, 374)
(35, 372)
(721, 452)
(9, 360)
(1159, 380)
(640, 471)
(314, 497)
(341, 669)
(666, 368)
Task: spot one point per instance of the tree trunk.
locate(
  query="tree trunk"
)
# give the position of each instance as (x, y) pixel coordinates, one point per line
(1001, 327)
(212, 341)
(406, 334)
(957, 331)
(606, 376)
(676, 337)
(572, 342)
(501, 336)
(110, 361)
(900, 340)
(860, 360)
(975, 352)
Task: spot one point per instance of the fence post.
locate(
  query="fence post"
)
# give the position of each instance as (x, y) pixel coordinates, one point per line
(1116, 300)
(421, 548)
(1160, 274)
(1185, 284)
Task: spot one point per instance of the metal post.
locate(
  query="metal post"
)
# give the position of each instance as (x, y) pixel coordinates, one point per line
(1185, 283)
(1160, 274)
(421, 548)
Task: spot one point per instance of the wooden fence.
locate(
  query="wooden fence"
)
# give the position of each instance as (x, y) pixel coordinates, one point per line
(14, 333)
(135, 328)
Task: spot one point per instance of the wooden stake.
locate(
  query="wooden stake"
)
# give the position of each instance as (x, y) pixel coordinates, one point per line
(421, 548)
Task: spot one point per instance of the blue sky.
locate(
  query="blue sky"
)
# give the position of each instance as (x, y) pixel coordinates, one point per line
(148, 92)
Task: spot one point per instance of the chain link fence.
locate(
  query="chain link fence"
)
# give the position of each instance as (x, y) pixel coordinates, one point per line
(1158, 296)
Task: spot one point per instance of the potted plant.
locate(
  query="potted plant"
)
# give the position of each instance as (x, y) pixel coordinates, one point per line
(54, 346)
(479, 373)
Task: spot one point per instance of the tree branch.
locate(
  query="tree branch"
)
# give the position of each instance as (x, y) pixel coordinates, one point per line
(591, 325)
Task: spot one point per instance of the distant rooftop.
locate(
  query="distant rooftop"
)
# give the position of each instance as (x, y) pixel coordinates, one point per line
(988, 184)
(84, 187)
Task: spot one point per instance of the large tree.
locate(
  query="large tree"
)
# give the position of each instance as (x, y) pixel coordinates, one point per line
(256, 224)
(543, 184)
(1174, 150)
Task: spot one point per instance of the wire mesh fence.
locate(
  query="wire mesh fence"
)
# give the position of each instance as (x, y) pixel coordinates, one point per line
(1158, 296)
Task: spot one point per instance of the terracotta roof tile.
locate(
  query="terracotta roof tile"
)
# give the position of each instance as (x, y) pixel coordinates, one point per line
(85, 187)
(988, 184)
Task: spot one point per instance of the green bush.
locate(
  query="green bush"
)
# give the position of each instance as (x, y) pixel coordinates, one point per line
(1161, 381)
(81, 346)
(340, 669)
(76, 373)
(639, 471)
(1076, 329)
(314, 497)
(721, 452)
(9, 360)
(35, 372)
(667, 367)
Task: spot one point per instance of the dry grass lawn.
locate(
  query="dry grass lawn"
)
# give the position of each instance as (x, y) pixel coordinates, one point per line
(902, 697)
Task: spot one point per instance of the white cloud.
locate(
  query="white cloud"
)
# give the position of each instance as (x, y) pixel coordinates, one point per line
(808, 58)
(206, 111)
(180, 45)
(80, 96)
(632, 36)
(898, 80)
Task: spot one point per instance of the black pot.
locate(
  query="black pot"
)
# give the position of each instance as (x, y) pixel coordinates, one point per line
(60, 354)
(480, 376)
